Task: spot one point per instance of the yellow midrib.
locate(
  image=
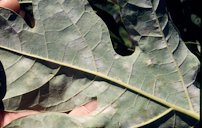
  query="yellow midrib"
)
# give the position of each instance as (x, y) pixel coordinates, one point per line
(120, 83)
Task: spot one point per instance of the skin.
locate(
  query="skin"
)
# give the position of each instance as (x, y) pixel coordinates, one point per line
(84, 110)
(10, 4)
(7, 117)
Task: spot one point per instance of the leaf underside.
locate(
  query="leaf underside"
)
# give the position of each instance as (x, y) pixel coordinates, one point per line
(67, 60)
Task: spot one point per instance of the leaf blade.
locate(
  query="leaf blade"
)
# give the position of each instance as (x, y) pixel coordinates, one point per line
(78, 56)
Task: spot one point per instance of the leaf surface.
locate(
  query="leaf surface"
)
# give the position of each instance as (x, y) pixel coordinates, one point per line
(67, 60)
(149, 23)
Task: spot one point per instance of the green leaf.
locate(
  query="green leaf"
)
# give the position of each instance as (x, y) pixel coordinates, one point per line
(148, 22)
(24, 1)
(67, 60)
(196, 20)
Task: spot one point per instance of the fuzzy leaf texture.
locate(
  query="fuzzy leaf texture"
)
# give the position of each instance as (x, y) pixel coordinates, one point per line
(67, 60)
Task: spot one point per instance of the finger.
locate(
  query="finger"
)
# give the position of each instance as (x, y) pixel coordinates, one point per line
(10, 4)
(85, 109)
(7, 117)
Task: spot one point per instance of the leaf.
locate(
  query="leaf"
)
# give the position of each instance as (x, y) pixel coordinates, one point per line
(152, 25)
(24, 1)
(67, 60)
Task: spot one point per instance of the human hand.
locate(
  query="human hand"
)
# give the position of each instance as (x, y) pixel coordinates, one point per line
(10, 4)
(7, 117)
